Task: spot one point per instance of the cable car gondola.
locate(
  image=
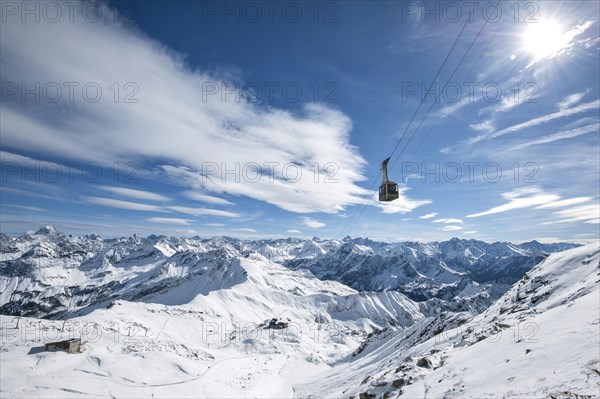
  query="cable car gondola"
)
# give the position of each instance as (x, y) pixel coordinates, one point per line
(388, 191)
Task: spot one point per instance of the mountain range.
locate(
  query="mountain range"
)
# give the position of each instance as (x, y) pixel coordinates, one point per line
(307, 318)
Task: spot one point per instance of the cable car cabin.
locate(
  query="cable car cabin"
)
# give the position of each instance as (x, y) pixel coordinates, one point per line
(388, 191)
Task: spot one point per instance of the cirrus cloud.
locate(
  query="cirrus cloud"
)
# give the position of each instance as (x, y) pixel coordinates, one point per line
(171, 113)
(178, 221)
(520, 198)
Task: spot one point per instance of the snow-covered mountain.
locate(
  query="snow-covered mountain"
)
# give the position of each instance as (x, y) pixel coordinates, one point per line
(47, 273)
(540, 339)
(220, 317)
(445, 270)
(201, 322)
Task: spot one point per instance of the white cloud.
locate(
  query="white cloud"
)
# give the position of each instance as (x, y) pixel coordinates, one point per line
(215, 224)
(179, 221)
(294, 231)
(23, 160)
(172, 98)
(451, 228)
(448, 221)
(584, 213)
(25, 207)
(508, 103)
(206, 198)
(313, 224)
(401, 205)
(202, 211)
(451, 109)
(132, 206)
(586, 120)
(571, 100)
(31, 193)
(536, 121)
(429, 216)
(521, 198)
(137, 194)
(565, 134)
(536, 198)
(566, 202)
(485, 126)
(245, 230)
(470, 232)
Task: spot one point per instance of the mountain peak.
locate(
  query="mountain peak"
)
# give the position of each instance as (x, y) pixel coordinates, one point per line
(48, 230)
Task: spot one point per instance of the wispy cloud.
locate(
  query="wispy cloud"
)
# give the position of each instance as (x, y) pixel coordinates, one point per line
(508, 103)
(521, 198)
(585, 213)
(312, 223)
(25, 207)
(450, 109)
(202, 211)
(571, 100)
(135, 206)
(29, 193)
(485, 126)
(209, 199)
(536, 121)
(136, 194)
(10, 157)
(429, 215)
(447, 221)
(588, 120)
(235, 134)
(566, 134)
(293, 231)
(177, 221)
(215, 224)
(565, 202)
(132, 206)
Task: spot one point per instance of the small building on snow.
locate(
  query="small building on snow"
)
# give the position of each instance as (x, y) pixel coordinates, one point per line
(70, 346)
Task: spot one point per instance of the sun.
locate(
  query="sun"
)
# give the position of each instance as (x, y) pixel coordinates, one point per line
(545, 39)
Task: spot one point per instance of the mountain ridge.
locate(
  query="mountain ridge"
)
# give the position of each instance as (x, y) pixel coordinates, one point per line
(46, 273)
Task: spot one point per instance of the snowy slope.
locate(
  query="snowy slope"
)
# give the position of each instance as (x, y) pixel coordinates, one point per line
(222, 317)
(201, 341)
(541, 339)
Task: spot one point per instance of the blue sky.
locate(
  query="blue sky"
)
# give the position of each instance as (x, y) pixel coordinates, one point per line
(242, 119)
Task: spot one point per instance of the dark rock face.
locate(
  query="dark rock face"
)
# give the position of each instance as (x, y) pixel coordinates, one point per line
(398, 383)
(274, 324)
(424, 362)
